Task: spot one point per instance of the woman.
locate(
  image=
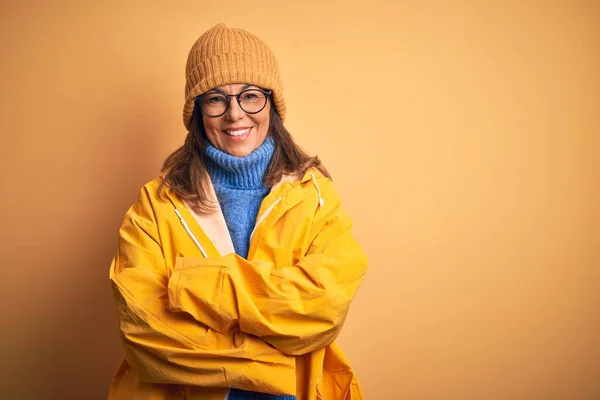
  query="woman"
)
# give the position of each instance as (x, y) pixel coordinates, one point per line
(235, 268)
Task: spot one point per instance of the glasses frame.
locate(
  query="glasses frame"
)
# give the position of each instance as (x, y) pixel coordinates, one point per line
(198, 101)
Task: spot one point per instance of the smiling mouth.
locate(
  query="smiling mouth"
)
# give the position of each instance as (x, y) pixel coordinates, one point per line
(237, 132)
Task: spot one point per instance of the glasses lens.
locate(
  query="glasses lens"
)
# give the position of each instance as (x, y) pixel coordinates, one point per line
(214, 104)
(252, 101)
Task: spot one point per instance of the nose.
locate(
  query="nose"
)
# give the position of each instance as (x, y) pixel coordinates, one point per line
(235, 112)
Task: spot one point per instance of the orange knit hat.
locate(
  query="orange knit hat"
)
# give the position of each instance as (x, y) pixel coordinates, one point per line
(223, 56)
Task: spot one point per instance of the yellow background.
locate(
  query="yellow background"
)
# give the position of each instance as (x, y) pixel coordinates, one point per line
(463, 136)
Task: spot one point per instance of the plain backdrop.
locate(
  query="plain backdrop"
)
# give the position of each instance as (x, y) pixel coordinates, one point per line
(464, 137)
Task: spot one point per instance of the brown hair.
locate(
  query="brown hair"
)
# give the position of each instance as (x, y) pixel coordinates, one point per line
(186, 173)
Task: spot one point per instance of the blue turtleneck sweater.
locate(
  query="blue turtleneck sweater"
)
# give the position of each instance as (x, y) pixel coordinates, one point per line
(238, 182)
(239, 186)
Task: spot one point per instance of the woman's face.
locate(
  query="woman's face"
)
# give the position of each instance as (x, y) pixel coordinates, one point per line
(236, 132)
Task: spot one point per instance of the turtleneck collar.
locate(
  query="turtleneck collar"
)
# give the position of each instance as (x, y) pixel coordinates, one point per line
(240, 172)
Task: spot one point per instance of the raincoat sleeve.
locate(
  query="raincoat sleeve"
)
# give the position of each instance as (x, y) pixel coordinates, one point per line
(167, 347)
(297, 308)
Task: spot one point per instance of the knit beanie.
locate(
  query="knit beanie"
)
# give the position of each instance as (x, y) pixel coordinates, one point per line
(223, 56)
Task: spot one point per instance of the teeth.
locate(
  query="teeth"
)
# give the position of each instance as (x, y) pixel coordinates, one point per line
(238, 132)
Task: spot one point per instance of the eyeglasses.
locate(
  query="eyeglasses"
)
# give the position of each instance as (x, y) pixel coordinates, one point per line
(215, 104)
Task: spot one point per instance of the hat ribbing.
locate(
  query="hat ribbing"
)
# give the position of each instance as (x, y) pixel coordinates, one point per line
(223, 56)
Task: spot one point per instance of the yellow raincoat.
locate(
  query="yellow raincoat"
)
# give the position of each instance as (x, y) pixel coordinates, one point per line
(197, 319)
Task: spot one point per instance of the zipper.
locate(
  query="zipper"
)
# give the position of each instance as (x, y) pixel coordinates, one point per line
(189, 231)
(262, 217)
(227, 394)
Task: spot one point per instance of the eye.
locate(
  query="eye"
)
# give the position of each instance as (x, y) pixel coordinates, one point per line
(252, 96)
(249, 96)
(214, 99)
